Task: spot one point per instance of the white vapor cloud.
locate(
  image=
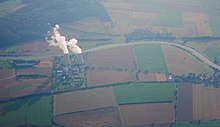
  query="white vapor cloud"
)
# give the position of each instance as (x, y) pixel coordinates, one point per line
(60, 41)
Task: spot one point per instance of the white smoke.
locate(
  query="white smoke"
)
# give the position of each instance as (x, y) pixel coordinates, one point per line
(60, 41)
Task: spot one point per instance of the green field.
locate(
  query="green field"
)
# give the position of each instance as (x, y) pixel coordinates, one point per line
(144, 92)
(213, 52)
(4, 63)
(197, 124)
(17, 88)
(150, 58)
(168, 19)
(32, 111)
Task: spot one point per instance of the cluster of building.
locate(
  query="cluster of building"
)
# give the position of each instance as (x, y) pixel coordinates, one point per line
(68, 72)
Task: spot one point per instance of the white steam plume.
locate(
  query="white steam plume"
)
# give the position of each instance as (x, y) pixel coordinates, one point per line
(60, 41)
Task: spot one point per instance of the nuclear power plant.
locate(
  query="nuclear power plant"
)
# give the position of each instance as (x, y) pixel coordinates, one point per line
(68, 70)
(66, 59)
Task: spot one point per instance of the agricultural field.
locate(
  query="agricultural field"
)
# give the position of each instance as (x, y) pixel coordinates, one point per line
(184, 102)
(205, 103)
(213, 52)
(6, 73)
(195, 24)
(149, 58)
(14, 86)
(4, 64)
(35, 71)
(139, 20)
(147, 114)
(95, 118)
(106, 77)
(182, 18)
(168, 19)
(33, 110)
(184, 62)
(144, 93)
(200, 46)
(210, 48)
(212, 10)
(35, 47)
(215, 123)
(152, 77)
(83, 100)
(112, 58)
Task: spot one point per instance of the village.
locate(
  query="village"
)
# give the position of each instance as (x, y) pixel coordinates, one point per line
(68, 72)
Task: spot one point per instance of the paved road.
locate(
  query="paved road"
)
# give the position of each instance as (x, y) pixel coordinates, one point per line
(187, 48)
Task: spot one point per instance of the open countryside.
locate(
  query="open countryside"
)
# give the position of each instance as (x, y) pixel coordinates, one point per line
(153, 63)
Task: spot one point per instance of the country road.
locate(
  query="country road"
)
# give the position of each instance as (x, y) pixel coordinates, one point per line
(186, 48)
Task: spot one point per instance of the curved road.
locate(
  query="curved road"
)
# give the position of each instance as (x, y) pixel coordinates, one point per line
(187, 48)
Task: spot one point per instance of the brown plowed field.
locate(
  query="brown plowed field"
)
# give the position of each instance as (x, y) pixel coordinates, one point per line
(180, 62)
(152, 77)
(146, 114)
(34, 47)
(42, 85)
(4, 94)
(113, 58)
(38, 71)
(197, 21)
(140, 20)
(201, 46)
(94, 118)
(83, 100)
(206, 103)
(6, 73)
(45, 62)
(184, 102)
(105, 77)
(11, 82)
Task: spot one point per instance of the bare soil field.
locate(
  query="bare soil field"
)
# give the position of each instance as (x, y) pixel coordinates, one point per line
(201, 46)
(6, 73)
(4, 94)
(45, 62)
(184, 102)
(197, 21)
(31, 48)
(113, 58)
(147, 114)
(7, 83)
(15, 88)
(180, 62)
(105, 77)
(151, 77)
(38, 71)
(206, 103)
(140, 20)
(94, 118)
(92, 25)
(83, 100)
